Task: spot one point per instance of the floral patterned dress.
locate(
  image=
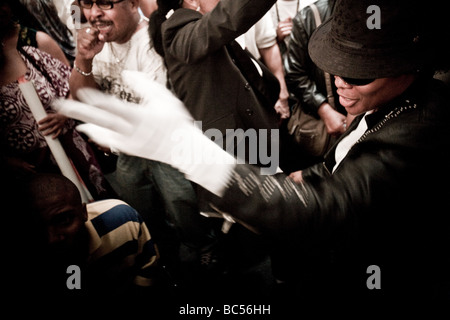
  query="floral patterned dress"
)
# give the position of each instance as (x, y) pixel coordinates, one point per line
(19, 134)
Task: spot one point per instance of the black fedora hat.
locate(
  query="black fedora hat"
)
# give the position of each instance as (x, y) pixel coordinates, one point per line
(368, 39)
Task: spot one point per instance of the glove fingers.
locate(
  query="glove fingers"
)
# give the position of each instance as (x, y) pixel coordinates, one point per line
(104, 101)
(101, 136)
(92, 114)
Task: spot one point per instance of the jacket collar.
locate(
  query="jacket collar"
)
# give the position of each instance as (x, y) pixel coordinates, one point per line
(409, 97)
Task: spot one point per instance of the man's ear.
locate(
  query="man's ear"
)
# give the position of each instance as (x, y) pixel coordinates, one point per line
(135, 4)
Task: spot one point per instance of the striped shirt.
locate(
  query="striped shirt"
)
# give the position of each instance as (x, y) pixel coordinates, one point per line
(121, 251)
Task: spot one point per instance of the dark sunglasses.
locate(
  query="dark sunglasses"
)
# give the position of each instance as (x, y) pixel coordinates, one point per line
(357, 82)
(102, 4)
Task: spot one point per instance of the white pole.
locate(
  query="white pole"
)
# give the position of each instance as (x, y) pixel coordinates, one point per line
(31, 97)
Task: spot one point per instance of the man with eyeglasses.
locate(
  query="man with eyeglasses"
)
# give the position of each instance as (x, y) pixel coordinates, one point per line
(117, 40)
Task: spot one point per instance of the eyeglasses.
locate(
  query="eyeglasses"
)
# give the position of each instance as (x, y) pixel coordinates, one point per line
(102, 4)
(357, 82)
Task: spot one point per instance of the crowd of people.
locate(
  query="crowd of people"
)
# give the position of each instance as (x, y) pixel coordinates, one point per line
(134, 72)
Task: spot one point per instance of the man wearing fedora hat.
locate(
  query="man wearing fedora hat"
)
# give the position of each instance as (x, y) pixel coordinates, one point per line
(376, 200)
(368, 222)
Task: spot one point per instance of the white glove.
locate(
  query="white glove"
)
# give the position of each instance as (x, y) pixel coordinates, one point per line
(159, 128)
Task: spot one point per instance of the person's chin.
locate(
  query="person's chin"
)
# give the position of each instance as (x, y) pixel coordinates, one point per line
(347, 103)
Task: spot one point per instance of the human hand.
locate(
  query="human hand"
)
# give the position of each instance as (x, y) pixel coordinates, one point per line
(52, 124)
(282, 108)
(284, 29)
(89, 43)
(335, 122)
(297, 176)
(159, 128)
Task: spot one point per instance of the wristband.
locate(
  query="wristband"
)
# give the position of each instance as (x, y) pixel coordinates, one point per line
(86, 74)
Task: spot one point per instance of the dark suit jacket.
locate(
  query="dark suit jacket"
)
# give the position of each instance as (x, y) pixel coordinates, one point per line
(202, 71)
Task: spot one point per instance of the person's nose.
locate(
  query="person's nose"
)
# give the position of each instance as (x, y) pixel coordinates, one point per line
(95, 11)
(55, 237)
(340, 83)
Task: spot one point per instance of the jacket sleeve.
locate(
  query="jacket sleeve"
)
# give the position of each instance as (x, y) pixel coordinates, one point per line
(301, 73)
(189, 36)
(275, 205)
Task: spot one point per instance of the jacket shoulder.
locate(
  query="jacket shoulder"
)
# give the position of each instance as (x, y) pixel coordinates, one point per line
(180, 18)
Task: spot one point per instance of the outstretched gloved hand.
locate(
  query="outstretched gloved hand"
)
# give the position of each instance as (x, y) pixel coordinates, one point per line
(159, 128)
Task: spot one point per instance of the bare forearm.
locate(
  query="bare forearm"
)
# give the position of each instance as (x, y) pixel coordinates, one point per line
(272, 59)
(81, 76)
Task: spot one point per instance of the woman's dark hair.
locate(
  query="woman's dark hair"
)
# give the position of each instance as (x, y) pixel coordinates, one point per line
(156, 20)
